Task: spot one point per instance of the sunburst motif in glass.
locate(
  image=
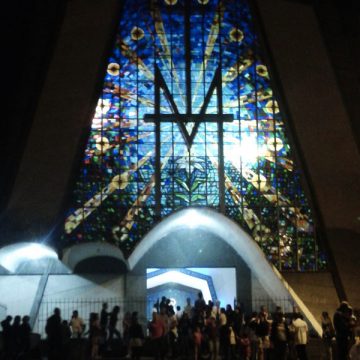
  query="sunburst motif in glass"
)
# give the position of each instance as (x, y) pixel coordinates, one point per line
(115, 200)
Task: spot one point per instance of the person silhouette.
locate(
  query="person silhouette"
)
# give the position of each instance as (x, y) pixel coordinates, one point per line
(54, 335)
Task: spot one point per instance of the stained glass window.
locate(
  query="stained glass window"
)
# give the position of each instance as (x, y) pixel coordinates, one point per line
(188, 117)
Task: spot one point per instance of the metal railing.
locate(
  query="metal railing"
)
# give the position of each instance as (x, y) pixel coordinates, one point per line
(286, 304)
(85, 307)
(142, 305)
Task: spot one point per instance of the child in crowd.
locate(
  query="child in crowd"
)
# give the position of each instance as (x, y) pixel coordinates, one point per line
(197, 336)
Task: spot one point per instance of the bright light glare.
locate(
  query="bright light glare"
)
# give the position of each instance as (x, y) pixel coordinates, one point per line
(194, 219)
(37, 251)
(247, 151)
(103, 106)
(148, 271)
(12, 256)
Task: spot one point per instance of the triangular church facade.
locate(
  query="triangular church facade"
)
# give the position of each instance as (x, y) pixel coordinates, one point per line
(189, 117)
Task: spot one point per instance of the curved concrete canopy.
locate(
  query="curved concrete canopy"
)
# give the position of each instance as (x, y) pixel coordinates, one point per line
(78, 253)
(12, 257)
(218, 224)
(4, 271)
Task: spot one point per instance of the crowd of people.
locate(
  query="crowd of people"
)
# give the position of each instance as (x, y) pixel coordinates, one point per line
(346, 329)
(101, 332)
(15, 336)
(211, 331)
(196, 331)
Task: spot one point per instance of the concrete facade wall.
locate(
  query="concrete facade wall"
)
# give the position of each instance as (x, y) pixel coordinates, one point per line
(317, 115)
(345, 245)
(62, 119)
(70, 292)
(326, 144)
(316, 290)
(94, 286)
(18, 293)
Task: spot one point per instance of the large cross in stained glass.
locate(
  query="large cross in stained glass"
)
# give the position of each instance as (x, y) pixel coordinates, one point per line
(182, 119)
(189, 117)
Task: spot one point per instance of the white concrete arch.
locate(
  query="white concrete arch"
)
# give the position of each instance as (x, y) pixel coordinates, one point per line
(12, 256)
(79, 252)
(219, 225)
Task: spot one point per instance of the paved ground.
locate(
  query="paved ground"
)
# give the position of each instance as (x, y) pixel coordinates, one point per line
(79, 350)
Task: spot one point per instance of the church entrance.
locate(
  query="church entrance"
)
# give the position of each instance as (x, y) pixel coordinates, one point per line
(180, 285)
(199, 249)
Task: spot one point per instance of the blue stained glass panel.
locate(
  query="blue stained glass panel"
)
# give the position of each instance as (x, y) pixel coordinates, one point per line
(114, 199)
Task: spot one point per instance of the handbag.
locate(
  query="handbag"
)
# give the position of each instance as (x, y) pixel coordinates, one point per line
(136, 342)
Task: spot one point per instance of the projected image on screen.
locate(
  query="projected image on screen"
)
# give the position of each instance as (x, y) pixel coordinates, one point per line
(182, 283)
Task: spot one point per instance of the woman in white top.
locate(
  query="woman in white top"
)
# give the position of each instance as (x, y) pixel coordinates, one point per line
(77, 325)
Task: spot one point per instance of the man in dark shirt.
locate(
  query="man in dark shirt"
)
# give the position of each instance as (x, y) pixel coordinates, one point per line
(343, 329)
(7, 336)
(25, 333)
(104, 317)
(112, 323)
(53, 331)
(200, 303)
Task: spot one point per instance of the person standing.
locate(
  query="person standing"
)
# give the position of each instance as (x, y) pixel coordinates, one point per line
(15, 342)
(178, 313)
(244, 346)
(164, 318)
(188, 309)
(328, 334)
(197, 338)
(215, 311)
(173, 333)
(238, 320)
(65, 338)
(95, 333)
(136, 337)
(232, 342)
(263, 332)
(252, 325)
(342, 329)
(223, 334)
(104, 319)
(126, 323)
(300, 336)
(54, 335)
(113, 322)
(157, 332)
(77, 325)
(279, 336)
(212, 335)
(24, 335)
(185, 335)
(7, 337)
(200, 303)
